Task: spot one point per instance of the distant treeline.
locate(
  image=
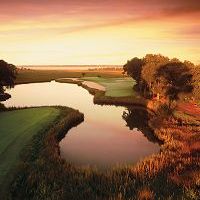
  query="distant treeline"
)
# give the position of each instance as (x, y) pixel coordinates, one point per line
(103, 68)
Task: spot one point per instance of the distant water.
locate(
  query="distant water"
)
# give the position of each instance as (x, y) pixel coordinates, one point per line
(70, 67)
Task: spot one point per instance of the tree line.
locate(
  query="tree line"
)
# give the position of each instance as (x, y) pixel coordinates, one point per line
(159, 77)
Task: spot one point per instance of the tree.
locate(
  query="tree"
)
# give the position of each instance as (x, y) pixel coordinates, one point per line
(176, 78)
(196, 82)
(133, 68)
(158, 76)
(7, 75)
(151, 63)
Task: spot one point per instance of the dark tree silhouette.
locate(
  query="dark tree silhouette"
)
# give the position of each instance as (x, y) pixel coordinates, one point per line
(7, 75)
(133, 68)
(139, 118)
(176, 78)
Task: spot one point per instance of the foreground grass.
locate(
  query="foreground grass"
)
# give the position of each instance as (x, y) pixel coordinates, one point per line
(16, 130)
(115, 87)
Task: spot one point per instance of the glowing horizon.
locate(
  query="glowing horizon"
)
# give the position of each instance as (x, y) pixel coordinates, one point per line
(66, 32)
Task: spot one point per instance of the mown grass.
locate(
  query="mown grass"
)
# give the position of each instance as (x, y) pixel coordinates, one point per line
(115, 87)
(16, 130)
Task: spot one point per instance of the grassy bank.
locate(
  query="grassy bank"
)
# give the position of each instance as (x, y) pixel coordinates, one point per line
(42, 172)
(16, 130)
(23, 135)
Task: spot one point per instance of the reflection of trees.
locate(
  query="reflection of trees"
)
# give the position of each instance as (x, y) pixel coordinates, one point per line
(138, 118)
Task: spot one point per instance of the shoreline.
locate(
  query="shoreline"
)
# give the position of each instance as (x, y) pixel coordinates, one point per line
(99, 94)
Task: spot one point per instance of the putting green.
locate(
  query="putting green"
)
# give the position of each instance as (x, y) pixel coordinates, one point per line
(115, 87)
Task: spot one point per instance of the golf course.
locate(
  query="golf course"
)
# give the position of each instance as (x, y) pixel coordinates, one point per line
(17, 128)
(150, 145)
(115, 87)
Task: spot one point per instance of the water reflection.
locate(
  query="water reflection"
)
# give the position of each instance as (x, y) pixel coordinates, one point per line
(138, 119)
(103, 139)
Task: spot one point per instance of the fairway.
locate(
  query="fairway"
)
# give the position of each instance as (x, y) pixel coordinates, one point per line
(115, 87)
(16, 130)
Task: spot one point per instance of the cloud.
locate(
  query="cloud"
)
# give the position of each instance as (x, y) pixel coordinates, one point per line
(193, 32)
(104, 8)
(63, 16)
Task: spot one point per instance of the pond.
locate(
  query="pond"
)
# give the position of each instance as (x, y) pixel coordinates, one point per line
(108, 136)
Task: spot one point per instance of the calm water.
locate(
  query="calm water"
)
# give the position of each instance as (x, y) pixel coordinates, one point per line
(108, 136)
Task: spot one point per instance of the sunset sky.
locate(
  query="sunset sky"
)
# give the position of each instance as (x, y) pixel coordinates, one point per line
(97, 32)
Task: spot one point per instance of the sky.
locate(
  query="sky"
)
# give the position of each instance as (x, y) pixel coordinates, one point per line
(78, 32)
